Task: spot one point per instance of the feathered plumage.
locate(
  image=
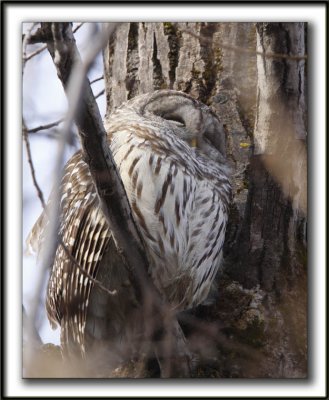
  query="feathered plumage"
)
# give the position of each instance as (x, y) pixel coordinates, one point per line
(179, 195)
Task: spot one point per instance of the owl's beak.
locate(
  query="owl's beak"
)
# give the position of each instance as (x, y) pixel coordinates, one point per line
(194, 142)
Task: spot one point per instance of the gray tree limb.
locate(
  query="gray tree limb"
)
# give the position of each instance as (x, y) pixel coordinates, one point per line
(113, 200)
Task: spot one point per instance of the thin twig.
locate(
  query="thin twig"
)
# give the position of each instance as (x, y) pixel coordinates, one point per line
(77, 27)
(41, 197)
(100, 94)
(247, 51)
(29, 159)
(31, 322)
(25, 42)
(74, 90)
(36, 52)
(97, 79)
(43, 47)
(43, 127)
(49, 248)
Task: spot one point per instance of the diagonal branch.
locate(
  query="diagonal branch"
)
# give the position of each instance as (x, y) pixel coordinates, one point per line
(111, 193)
(33, 39)
(100, 94)
(29, 159)
(45, 127)
(97, 79)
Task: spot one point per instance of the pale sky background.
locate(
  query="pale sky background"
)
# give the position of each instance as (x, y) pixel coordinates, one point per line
(44, 102)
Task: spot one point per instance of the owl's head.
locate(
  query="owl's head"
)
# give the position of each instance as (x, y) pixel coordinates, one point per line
(193, 120)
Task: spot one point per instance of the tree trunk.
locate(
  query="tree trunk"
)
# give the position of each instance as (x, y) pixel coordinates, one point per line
(262, 302)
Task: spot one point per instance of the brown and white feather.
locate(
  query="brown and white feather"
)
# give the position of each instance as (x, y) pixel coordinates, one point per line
(179, 196)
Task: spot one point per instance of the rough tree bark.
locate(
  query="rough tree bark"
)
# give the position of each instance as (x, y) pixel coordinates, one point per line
(263, 299)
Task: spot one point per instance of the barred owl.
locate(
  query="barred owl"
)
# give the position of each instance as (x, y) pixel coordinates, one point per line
(178, 188)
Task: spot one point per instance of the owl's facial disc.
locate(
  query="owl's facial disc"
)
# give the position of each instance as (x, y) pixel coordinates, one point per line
(179, 127)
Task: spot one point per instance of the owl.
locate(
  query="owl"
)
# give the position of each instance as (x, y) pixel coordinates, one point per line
(169, 150)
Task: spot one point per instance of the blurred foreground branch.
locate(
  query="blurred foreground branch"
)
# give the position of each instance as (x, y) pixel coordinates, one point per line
(171, 349)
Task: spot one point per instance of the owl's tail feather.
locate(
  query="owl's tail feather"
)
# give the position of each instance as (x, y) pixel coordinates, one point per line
(34, 239)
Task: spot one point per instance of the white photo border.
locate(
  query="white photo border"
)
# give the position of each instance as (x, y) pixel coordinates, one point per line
(313, 13)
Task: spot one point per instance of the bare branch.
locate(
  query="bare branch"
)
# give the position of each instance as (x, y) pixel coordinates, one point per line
(97, 79)
(100, 94)
(41, 197)
(111, 191)
(30, 322)
(44, 127)
(77, 27)
(43, 47)
(40, 36)
(94, 143)
(35, 53)
(50, 243)
(26, 39)
(56, 123)
(29, 159)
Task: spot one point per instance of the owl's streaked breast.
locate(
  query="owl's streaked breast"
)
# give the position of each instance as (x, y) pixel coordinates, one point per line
(179, 198)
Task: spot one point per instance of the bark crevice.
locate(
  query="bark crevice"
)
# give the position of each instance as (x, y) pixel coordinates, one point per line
(132, 61)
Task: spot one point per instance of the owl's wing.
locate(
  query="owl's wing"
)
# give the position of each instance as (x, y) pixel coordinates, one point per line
(85, 234)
